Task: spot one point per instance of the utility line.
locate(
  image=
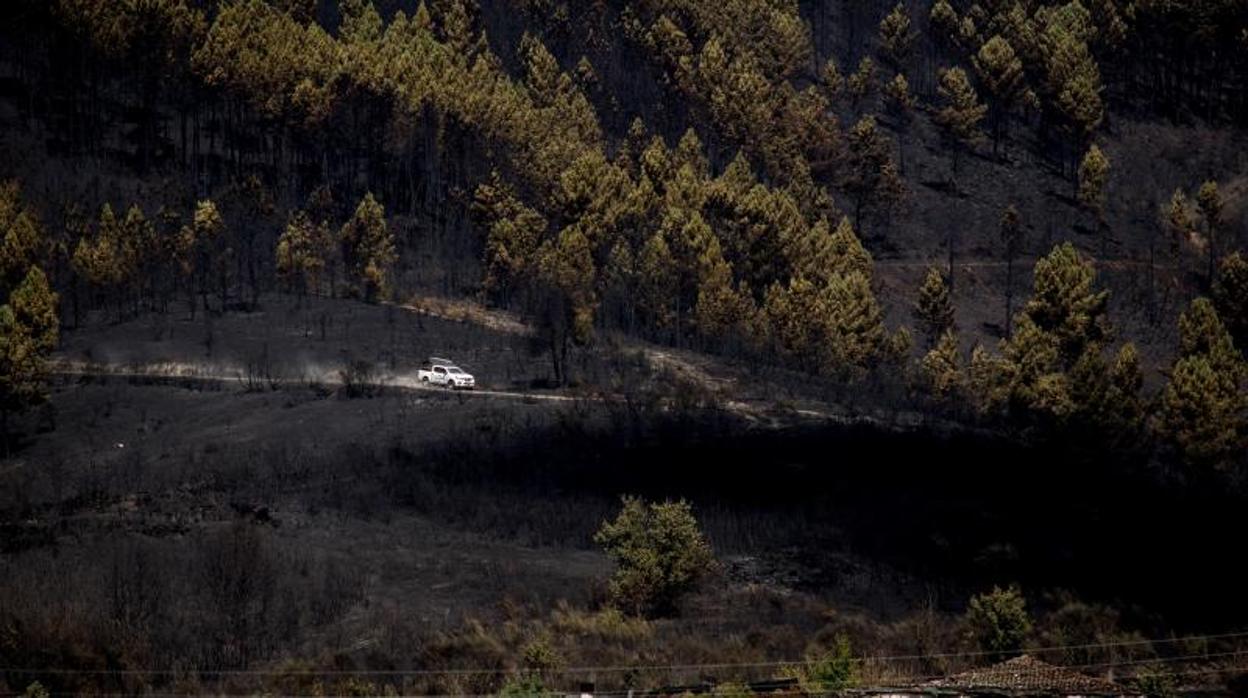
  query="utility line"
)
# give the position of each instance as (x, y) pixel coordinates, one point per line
(625, 692)
(865, 659)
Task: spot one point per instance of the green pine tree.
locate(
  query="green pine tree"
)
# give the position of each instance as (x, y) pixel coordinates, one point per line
(1204, 410)
(942, 370)
(20, 236)
(368, 248)
(1066, 304)
(29, 330)
(896, 36)
(1209, 199)
(1001, 71)
(1011, 233)
(1230, 297)
(934, 310)
(961, 112)
(659, 552)
(1093, 176)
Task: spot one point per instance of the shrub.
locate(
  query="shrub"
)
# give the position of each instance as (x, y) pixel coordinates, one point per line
(999, 622)
(832, 671)
(660, 554)
(540, 657)
(607, 624)
(522, 686)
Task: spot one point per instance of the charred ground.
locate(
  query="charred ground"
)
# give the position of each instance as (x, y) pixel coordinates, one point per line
(677, 244)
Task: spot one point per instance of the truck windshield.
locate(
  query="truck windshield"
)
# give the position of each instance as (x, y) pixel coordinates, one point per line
(453, 369)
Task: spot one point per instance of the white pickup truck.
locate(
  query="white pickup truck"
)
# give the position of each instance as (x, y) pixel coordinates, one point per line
(445, 373)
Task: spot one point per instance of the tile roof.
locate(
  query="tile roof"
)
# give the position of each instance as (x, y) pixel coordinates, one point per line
(1026, 675)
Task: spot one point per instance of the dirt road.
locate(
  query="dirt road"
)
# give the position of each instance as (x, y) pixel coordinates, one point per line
(176, 373)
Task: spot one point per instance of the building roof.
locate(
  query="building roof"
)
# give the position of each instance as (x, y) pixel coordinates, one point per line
(1028, 676)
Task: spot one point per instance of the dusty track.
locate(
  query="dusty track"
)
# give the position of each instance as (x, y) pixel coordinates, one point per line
(180, 373)
(171, 372)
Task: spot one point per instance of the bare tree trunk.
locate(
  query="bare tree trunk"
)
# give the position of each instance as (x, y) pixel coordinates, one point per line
(1009, 294)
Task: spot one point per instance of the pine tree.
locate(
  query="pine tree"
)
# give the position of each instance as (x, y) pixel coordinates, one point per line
(934, 311)
(1093, 176)
(1210, 202)
(1106, 396)
(656, 161)
(203, 251)
(862, 82)
(988, 381)
(720, 307)
(657, 280)
(659, 551)
(968, 31)
(301, 253)
(855, 323)
(103, 259)
(513, 233)
(689, 151)
(565, 297)
(896, 36)
(34, 307)
(898, 347)
(961, 113)
(1202, 414)
(693, 251)
(870, 178)
(1011, 231)
(1178, 223)
(809, 251)
(795, 317)
(634, 145)
(1065, 303)
(1050, 365)
(1202, 333)
(1123, 410)
(1038, 385)
(670, 43)
(1073, 78)
(20, 236)
(942, 371)
(832, 81)
(141, 249)
(898, 98)
(846, 253)
(945, 19)
(21, 370)
(368, 248)
(1230, 297)
(1204, 410)
(1001, 71)
(29, 330)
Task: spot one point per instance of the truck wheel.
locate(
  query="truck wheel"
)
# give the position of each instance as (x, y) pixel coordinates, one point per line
(424, 379)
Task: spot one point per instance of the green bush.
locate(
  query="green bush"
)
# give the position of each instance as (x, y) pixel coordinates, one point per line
(540, 656)
(659, 552)
(832, 671)
(826, 672)
(527, 685)
(999, 622)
